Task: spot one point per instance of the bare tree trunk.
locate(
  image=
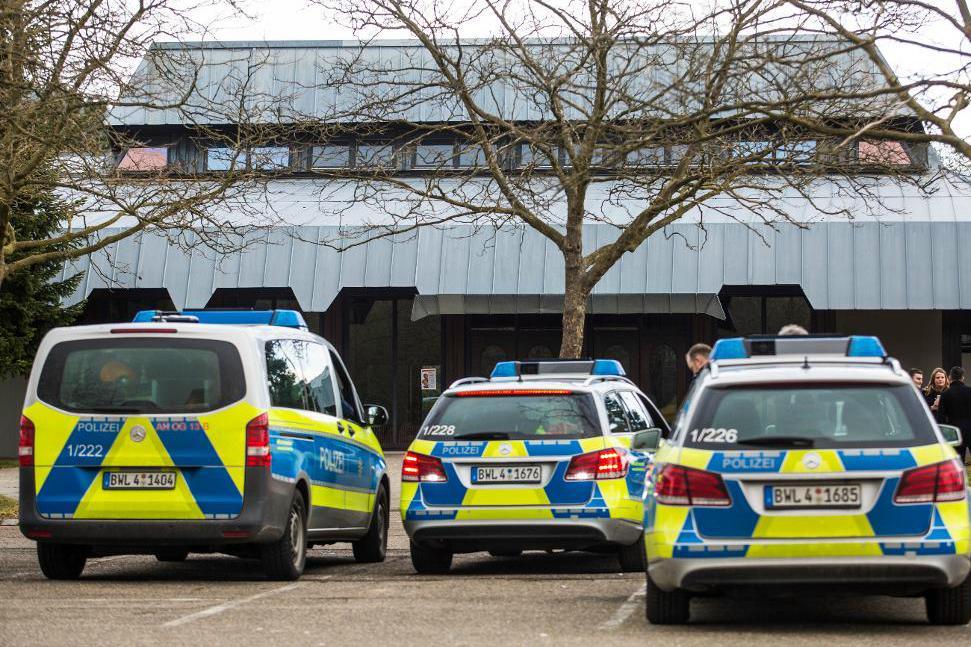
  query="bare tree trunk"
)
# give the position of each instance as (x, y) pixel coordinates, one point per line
(575, 296)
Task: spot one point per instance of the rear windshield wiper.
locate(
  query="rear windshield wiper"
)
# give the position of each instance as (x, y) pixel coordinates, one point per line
(483, 435)
(778, 441)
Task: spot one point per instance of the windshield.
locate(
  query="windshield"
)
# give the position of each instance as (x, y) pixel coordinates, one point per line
(817, 415)
(135, 375)
(511, 417)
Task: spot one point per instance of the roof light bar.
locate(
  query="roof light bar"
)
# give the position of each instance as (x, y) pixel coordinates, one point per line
(600, 367)
(488, 393)
(846, 346)
(285, 318)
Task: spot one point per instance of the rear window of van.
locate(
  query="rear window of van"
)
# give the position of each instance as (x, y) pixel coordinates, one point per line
(126, 375)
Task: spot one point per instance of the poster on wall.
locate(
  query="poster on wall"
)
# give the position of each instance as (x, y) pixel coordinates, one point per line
(429, 378)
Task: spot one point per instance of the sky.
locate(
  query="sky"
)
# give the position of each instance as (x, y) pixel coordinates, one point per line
(296, 20)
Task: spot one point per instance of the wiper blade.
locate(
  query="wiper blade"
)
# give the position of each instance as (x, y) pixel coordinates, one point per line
(778, 441)
(483, 435)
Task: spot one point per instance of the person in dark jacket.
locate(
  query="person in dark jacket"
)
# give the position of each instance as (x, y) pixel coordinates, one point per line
(936, 385)
(955, 407)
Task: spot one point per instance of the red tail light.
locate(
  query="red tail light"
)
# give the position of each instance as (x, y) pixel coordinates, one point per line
(25, 448)
(604, 464)
(258, 441)
(420, 468)
(932, 484)
(678, 485)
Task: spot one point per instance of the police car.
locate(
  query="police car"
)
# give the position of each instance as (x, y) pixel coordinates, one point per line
(200, 431)
(802, 463)
(543, 455)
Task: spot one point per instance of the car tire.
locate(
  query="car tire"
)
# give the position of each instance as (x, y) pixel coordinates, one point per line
(373, 547)
(632, 558)
(285, 558)
(428, 561)
(172, 555)
(666, 607)
(950, 606)
(61, 561)
(505, 553)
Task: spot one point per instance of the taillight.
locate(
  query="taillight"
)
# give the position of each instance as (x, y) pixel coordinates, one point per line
(678, 485)
(932, 483)
(421, 468)
(25, 447)
(604, 464)
(258, 441)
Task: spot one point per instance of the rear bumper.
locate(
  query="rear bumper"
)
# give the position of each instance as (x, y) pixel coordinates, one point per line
(266, 502)
(532, 534)
(901, 575)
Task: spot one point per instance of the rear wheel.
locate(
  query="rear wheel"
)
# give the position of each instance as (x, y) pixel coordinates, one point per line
(285, 558)
(172, 555)
(428, 561)
(632, 558)
(950, 606)
(373, 547)
(666, 607)
(61, 561)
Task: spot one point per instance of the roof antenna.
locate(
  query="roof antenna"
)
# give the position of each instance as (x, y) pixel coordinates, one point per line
(805, 362)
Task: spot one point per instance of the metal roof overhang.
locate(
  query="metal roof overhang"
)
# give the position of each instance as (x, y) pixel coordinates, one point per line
(485, 304)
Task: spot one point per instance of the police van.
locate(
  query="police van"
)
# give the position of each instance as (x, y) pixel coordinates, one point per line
(543, 455)
(807, 463)
(199, 431)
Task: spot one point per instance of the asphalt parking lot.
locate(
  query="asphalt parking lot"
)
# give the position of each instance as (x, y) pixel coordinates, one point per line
(538, 598)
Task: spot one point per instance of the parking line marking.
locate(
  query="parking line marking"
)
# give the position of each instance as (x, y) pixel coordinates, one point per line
(37, 571)
(625, 611)
(226, 606)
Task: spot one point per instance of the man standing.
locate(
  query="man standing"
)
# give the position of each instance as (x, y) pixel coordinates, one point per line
(697, 359)
(955, 407)
(917, 376)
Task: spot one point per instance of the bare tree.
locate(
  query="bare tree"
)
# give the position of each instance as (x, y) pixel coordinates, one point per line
(66, 74)
(631, 113)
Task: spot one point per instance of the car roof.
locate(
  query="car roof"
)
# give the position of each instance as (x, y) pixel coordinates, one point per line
(809, 368)
(583, 383)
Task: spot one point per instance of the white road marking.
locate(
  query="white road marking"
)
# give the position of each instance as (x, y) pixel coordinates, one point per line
(91, 562)
(226, 606)
(625, 610)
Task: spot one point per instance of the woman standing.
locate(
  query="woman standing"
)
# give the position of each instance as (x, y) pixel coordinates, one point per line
(936, 385)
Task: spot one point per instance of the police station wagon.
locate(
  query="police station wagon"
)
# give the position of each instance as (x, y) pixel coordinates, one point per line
(807, 463)
(544, 455)
(201, 431)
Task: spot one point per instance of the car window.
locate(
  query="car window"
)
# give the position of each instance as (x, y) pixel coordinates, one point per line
(320, 381)
(284, 374)
(616, 416)
(636, 413)
(816, 415)
(348, 400)
(535, 416)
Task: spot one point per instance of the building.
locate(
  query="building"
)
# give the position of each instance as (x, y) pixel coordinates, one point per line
(413, 312)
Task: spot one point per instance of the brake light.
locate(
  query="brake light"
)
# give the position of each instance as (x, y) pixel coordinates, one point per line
(932, 484)
(25, 447)
(117, 331)
(258, 441)
(420, 468)
(678, 485)
(486, 393)
(604, 464)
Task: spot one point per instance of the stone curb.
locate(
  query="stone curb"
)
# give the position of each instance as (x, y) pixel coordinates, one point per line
(9, 522)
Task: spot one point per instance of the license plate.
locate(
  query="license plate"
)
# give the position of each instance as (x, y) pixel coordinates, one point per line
(506, 474)
(822, 495)
(139, 480)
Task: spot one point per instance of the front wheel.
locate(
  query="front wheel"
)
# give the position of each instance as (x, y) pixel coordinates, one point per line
(373, 547)
(666, 607)
(950, 606)
(61, 561)
(285, 558)
(428, 561)
(632, 558)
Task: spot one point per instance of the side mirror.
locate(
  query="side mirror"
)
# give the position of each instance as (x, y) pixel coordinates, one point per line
(952, 435)
(377, 416)
(647, 440)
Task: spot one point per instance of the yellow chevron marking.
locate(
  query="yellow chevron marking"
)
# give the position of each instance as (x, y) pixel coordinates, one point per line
(778, 527)
(53, 428)
(818, 549)
(829, 462)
